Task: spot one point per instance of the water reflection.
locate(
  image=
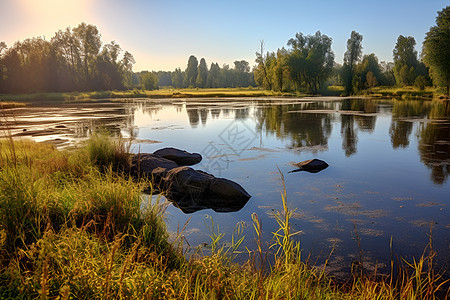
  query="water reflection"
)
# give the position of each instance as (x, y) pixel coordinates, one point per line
(349, 135)
(434, 149)
(192, 114)
(400, 132)
(301, 124)
(300, 130)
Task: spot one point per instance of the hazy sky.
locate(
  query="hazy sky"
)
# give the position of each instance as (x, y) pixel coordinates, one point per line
(163, 34)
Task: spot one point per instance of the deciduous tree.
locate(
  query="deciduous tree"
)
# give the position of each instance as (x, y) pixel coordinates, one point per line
(191, 72)
(202, 74)
(405, 60)
(436, 50)
(351, 58)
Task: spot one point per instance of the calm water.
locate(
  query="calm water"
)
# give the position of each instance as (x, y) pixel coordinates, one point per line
(388, 175)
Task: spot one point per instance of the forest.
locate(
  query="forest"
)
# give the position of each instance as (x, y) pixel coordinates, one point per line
(73, 60)
(77, 60)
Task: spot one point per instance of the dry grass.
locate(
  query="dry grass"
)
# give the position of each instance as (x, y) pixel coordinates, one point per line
(69, 229)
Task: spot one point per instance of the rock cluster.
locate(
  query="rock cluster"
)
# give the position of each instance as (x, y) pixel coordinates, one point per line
(189, 189)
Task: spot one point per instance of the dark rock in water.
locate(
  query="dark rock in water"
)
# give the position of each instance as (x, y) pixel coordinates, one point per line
(151, 165)
(185, 182)
(312, 166)
(190, 189)
(180, 157)
(226, 195)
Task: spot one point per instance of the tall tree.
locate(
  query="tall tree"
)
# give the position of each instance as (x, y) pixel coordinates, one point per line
(369, 65)
(241, 70)
(436, 49)
(149, 80)
(177, 78)
(213, 78)
(280, 71)
(191, 72)
(126, 65)
(311, 60)
(202, 74)
(405, 60)
(262, 66)
(351, 58)
(90, 43)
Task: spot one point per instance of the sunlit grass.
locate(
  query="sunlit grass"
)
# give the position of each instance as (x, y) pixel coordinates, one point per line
(138, 93)
(73, 227)
(404, 92)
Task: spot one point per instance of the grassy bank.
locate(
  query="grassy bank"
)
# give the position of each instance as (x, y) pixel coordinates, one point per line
(407, 92)
(156, 94)
(6, 100)
(73, 226)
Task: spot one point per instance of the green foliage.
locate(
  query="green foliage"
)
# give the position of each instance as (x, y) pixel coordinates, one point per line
(406, 65)
(191, 72)
(304, 67)
(311, 60)
(436, 52)
(202, 74)
(72, 60)
(420, 82)
(149, 80)
(351, 58)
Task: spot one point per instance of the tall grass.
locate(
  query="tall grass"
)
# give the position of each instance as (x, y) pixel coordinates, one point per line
(73, 227)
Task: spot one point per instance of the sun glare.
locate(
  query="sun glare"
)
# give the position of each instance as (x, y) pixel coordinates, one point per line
(48, 16)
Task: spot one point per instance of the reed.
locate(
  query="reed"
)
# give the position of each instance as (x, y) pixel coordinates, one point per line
(73, 227)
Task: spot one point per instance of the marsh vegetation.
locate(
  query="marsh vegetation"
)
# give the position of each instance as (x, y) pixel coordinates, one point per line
(73, 227)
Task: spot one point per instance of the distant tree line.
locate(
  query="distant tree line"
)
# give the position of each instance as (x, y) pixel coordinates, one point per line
(197, 75)
(365, 72)
(304, 66)
(72, 60)
(308, 63)
(76, 60)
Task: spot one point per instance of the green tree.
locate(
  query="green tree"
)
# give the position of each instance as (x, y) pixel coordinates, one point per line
(149, 80)
(371, 80)
(310, 60)
(191, 72)
(436, 50)
(126, 65)
(242, 76)
(261, 71)
(369, 64)
(212, 81)
(202, 74)
(351, 58)
(177, 78)
(90, 43)
(420, 82)
(405, 60)
(280, 70)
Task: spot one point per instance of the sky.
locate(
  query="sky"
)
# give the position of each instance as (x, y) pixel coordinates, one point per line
(162, 35)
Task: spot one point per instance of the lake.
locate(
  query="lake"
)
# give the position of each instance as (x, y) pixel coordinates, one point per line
(389, 162)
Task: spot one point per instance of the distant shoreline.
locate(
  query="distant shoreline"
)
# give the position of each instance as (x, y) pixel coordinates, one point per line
(18, 100)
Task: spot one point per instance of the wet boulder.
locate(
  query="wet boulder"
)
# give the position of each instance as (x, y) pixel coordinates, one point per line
(190, 190)
(151, 166)
(312, 165)
(180, 157)
(186, 187)
(225, 195)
